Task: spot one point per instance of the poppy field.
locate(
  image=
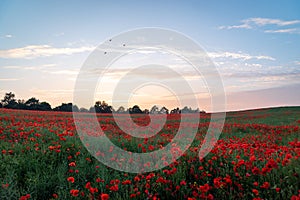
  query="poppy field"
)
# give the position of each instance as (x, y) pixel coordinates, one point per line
(256, 157)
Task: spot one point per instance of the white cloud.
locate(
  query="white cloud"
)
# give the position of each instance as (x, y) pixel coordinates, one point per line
(242, 56)
(7, 36)
(59, 34)
(9, 79)
(260, 22)
(289, 30)
(50, 91)
(34, 51)
(45, 68)
(245, 26)
(255, 65)
(63, 72)
(29, 67)
(268, 21)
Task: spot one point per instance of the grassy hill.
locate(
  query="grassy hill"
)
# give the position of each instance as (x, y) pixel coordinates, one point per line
(270, 116)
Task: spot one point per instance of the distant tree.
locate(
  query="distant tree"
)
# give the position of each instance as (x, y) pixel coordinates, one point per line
(92, 109)
(75, 108)
(66, 107)
(186, 110)
(45, 106)
(154, 110)
(164, 110)
(121, 109)
(12, 105)
(83, 110)
(9, 100)
(98, 107)
(32, 103)
(103, 107)
(135, 110)
(21, 104)
(175, 111)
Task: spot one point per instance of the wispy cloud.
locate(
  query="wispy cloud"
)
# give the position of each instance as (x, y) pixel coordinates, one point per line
(34, 51)
(238, 76)
(289, 30)
(251, 23)
(239, 55)
(7, 36)
(244, 26)
(45, 68)
(63, 72)
(50, 91)
(59, 34)
(9, 79)
(29, 67)
(268, 21)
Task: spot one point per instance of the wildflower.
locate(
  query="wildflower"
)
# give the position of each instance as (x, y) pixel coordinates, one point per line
(93, 190)
(71, 179)
(136, 179)
(27, 196)
(218, 183)
(88, 185)
(255, 184)
(74, 192)
(252, 158)
(228, 180)
(114, 188)
(265, 185)
(255, 191)
(210, 197)
(255, 170)
(294, 197)
(126, 182)
(182, 182)
(204, 188)
(151, 147)
(98, 180)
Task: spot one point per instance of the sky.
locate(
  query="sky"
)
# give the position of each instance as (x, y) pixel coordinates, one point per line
(253, 44)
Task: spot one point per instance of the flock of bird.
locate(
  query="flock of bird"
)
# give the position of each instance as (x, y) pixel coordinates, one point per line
(110, 41)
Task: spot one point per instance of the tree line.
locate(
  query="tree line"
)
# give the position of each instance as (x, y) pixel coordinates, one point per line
(10, 102)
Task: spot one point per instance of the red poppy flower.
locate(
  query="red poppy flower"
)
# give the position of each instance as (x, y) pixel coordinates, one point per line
(71, 179)
(74, 192)
(255, 191)
(104, 196)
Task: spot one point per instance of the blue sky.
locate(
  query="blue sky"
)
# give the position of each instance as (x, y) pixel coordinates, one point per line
(255, 44)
